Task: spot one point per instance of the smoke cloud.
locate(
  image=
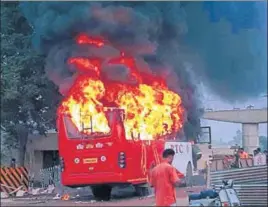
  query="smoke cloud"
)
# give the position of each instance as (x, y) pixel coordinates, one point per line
(231, 39)
(223, 42)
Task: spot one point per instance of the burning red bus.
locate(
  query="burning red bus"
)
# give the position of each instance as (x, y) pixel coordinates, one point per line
(111, 132)
(103, 161)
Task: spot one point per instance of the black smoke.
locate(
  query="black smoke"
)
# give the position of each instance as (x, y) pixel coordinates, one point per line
(168, 36)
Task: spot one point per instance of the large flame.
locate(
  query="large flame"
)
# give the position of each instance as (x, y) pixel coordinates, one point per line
(151, 109)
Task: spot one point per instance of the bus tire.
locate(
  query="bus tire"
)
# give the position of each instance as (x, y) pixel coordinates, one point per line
(141, 191)
(189, 174)
(102, 192)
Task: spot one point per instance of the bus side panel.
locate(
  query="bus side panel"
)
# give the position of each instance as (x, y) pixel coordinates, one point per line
(134, 167)
(143, 154)
(154, 153)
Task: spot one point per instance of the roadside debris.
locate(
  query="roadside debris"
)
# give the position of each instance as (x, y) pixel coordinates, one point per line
(150, 196)
(4, 195)
(21, 193)
(50, 189)
(57, 197)
(35, 191)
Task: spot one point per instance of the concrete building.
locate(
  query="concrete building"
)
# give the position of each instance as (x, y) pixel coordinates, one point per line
(249, 118)
(41, 152)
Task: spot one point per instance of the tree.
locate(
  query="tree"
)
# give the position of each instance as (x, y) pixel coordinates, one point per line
(28, 98)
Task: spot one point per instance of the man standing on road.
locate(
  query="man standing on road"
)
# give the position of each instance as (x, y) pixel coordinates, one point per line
(164, 179)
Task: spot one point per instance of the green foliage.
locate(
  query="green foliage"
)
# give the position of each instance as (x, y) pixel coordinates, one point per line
(28, 98)
(6, 150)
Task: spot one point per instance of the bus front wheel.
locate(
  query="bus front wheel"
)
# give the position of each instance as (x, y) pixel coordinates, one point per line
(141, 190)
(102, 192)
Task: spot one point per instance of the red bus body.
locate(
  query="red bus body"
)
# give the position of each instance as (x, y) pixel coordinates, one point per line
(98, 160)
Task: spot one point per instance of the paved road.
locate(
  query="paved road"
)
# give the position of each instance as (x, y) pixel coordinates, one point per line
(126, 200)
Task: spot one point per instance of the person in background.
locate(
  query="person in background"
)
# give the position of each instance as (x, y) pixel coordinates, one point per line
(258, 150)
(235, 164)
(196, 155)
(259, 157)
(164, 179)
(13, 163)
(255, 152)
(242, 154)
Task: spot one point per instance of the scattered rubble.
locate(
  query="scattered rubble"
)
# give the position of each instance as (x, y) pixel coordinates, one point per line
(57, 197)
(50, 189)
(35, 191)
(21, 193)
(4, 195)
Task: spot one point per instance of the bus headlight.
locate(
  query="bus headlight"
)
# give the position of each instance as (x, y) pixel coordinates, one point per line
(103, 158)
(76, 160)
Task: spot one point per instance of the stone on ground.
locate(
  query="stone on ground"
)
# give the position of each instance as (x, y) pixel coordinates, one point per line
(20, 193)
(50, 189)
(4, 195)
(36, 191)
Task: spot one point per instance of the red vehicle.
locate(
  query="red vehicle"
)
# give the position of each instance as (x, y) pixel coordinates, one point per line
(103, 161)
(100, 144)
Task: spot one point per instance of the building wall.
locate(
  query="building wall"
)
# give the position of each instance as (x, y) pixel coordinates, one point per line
(35, 147)
(34, 153)
(50, 142)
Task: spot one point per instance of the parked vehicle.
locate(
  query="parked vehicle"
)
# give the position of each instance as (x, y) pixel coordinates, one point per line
(226, 196)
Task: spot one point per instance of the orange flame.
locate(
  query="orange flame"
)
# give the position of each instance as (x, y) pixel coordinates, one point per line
(86, 64)
(84, 39)
(151, 108)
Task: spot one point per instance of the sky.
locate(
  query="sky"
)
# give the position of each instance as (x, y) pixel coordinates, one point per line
(242, 17)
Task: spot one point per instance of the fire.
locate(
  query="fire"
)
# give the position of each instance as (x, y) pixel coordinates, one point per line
(86, 64)
(84, 39)
(82, 104)
(151, 109)
(150, 112)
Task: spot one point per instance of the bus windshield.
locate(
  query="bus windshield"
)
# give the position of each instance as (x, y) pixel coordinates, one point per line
(86, 131)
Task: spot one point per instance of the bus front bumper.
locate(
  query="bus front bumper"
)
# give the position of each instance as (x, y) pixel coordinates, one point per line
(86, 179)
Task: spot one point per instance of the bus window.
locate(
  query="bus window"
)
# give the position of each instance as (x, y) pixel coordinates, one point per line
(87, 132)
(72, 131)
